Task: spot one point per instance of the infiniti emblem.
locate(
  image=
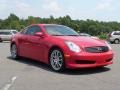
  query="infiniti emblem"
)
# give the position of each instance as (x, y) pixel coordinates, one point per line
(99, 48)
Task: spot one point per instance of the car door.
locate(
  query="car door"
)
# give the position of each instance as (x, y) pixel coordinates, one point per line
(22, 43)
(33, 46)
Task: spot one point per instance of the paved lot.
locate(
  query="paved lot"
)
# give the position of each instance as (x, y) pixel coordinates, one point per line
(25, 74)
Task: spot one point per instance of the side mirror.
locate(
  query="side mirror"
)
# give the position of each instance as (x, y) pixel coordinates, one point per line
(39, 34)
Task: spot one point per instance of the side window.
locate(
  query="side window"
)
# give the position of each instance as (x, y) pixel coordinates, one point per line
(1, 33)
(31, 30)
(116, 33)
(5, 33)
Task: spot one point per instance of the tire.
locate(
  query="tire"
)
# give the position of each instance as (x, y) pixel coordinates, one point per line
(1, 41)
(116, 41)
(14, 51)
(56, 60)
(111, 42)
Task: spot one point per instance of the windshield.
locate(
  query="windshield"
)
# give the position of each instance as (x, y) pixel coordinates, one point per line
(59, 30)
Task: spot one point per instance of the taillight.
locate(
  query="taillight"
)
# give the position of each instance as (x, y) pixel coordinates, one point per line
(109, 35)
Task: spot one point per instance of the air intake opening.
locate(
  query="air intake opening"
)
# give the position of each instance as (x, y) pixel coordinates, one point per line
(85, 62)
(109, 60)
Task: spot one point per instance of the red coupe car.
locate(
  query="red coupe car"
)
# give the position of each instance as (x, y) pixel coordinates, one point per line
(60, 47)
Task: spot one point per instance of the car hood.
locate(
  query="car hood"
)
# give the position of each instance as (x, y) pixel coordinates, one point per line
(82, 41)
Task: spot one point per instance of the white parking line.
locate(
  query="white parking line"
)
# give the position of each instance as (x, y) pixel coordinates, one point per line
(7, 86)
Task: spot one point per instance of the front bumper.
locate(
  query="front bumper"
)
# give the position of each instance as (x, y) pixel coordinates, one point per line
(88, 60)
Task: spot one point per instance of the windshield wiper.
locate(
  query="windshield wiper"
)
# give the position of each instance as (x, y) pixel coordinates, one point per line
(58, 35)
(72, 35)
(65, 35)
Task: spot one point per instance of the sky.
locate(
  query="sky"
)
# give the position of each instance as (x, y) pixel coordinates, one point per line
(102, 10)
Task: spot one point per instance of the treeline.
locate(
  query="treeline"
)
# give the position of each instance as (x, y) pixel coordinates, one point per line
(87, 26)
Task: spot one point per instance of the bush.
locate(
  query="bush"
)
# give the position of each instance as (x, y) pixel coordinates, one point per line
(103, 36)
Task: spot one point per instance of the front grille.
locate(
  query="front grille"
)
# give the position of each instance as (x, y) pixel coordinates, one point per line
(97, 49)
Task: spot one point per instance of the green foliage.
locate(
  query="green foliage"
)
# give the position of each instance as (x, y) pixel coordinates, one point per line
(95, 28)
(103, 36)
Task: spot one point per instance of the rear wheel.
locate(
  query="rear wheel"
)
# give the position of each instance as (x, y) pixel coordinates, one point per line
(56, 58)
(116, 41)
(14, 51)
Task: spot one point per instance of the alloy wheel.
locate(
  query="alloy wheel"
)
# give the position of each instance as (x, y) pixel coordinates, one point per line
(14, 51)
(56, 60)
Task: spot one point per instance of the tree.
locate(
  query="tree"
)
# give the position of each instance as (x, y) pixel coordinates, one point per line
(88, 26)
(13, 17)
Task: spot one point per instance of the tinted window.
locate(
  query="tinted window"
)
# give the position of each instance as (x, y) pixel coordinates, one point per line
(31, 30)
(5, 33)
(60, 30)
(116, 33)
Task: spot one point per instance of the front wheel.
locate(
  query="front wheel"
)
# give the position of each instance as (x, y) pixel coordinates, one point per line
(14, 51)
(56, 58)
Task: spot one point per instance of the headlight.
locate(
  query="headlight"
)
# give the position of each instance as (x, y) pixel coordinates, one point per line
(108, 46)
(73, 47)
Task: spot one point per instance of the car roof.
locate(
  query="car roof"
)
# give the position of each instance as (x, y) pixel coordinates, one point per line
(115, 31)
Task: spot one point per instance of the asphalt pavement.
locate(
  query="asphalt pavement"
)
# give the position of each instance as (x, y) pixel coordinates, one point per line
(26, 74)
